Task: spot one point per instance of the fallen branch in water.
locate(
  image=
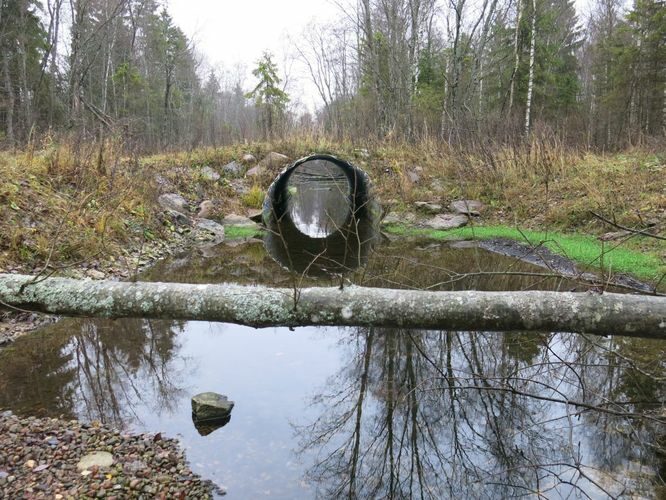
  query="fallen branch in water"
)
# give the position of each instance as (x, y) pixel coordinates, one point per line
(601, 314)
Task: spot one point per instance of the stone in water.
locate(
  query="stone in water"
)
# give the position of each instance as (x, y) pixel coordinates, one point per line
(211, 406)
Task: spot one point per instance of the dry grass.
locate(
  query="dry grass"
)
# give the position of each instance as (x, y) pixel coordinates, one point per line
(62, 203)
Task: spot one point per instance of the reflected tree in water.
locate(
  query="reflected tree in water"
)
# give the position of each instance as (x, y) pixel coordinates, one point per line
(101, 371)
(445, 414)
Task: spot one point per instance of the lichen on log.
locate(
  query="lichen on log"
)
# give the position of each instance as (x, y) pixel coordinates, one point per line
(581, 312)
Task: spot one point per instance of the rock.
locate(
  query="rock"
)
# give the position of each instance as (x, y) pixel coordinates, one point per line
(256, 216)
(207, 426)
(467, 207)
(234, 169)
(425, 206)
(271, 163)
(205, 209)
(392, 218)
(212, 228)
(178, 217)
(173, 201)
(254, 171)
(95, 459)
(209, 174)
(362, 153)
(95, 274)
(238, 220)
(274, 161)
(211, 406)
(447, 221)
(248, 159)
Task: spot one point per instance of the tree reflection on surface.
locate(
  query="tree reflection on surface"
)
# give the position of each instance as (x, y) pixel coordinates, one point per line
(446, 414)
(94, 369)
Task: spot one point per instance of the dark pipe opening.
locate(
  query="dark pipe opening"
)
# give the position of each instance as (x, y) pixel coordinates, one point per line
(321, 217)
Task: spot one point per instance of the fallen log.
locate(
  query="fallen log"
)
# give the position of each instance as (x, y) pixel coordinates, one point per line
(601, 314)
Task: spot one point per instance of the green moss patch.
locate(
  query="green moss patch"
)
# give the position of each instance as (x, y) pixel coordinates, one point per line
(583, 249)
(238, 232)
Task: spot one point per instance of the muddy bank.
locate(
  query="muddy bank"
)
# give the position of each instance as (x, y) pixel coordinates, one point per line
(42, 458)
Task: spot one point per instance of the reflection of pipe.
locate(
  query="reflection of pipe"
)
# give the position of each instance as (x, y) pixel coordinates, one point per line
(276, 201)
(344, 250)
(340, 251)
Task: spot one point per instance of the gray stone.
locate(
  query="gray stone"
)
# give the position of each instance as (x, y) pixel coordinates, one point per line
(212, 228)
(254, 171)
(447, 221)
(274, 161)
(362, 153)
(178, 217)
(238, 220)
(173, 201)
(467, 207)
(256, 216)
(248, 159)
(205, 209)
(95, 459)
(426, 206)
(392, 218)
(211, 406)
(233, 169)
(209, 174)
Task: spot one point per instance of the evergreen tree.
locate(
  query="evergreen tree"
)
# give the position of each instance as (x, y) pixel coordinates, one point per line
(267, 95)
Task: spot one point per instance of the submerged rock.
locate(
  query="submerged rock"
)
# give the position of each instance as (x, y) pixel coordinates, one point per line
(211, 406)
(173, 201)
(207, 426)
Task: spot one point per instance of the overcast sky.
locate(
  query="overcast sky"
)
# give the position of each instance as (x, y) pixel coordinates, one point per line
(231, 32)
(228, 32)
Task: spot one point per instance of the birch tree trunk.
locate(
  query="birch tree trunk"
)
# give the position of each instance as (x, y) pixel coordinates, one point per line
(516, 55)
(530, 81)
(601, 314)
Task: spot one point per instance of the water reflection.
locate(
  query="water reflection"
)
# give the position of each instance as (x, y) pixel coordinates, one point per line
(94, 369)
(357, 413)
(455, 414)
(319, 194)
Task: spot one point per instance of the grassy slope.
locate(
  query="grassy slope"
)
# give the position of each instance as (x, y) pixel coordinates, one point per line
(67, 204)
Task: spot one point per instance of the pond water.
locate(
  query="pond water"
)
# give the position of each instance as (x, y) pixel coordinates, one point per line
(365, 412)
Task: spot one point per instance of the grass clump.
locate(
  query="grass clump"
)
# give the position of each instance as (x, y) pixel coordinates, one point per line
(254, 198)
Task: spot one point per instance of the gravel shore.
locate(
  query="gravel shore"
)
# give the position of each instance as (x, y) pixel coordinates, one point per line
(39, 459)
